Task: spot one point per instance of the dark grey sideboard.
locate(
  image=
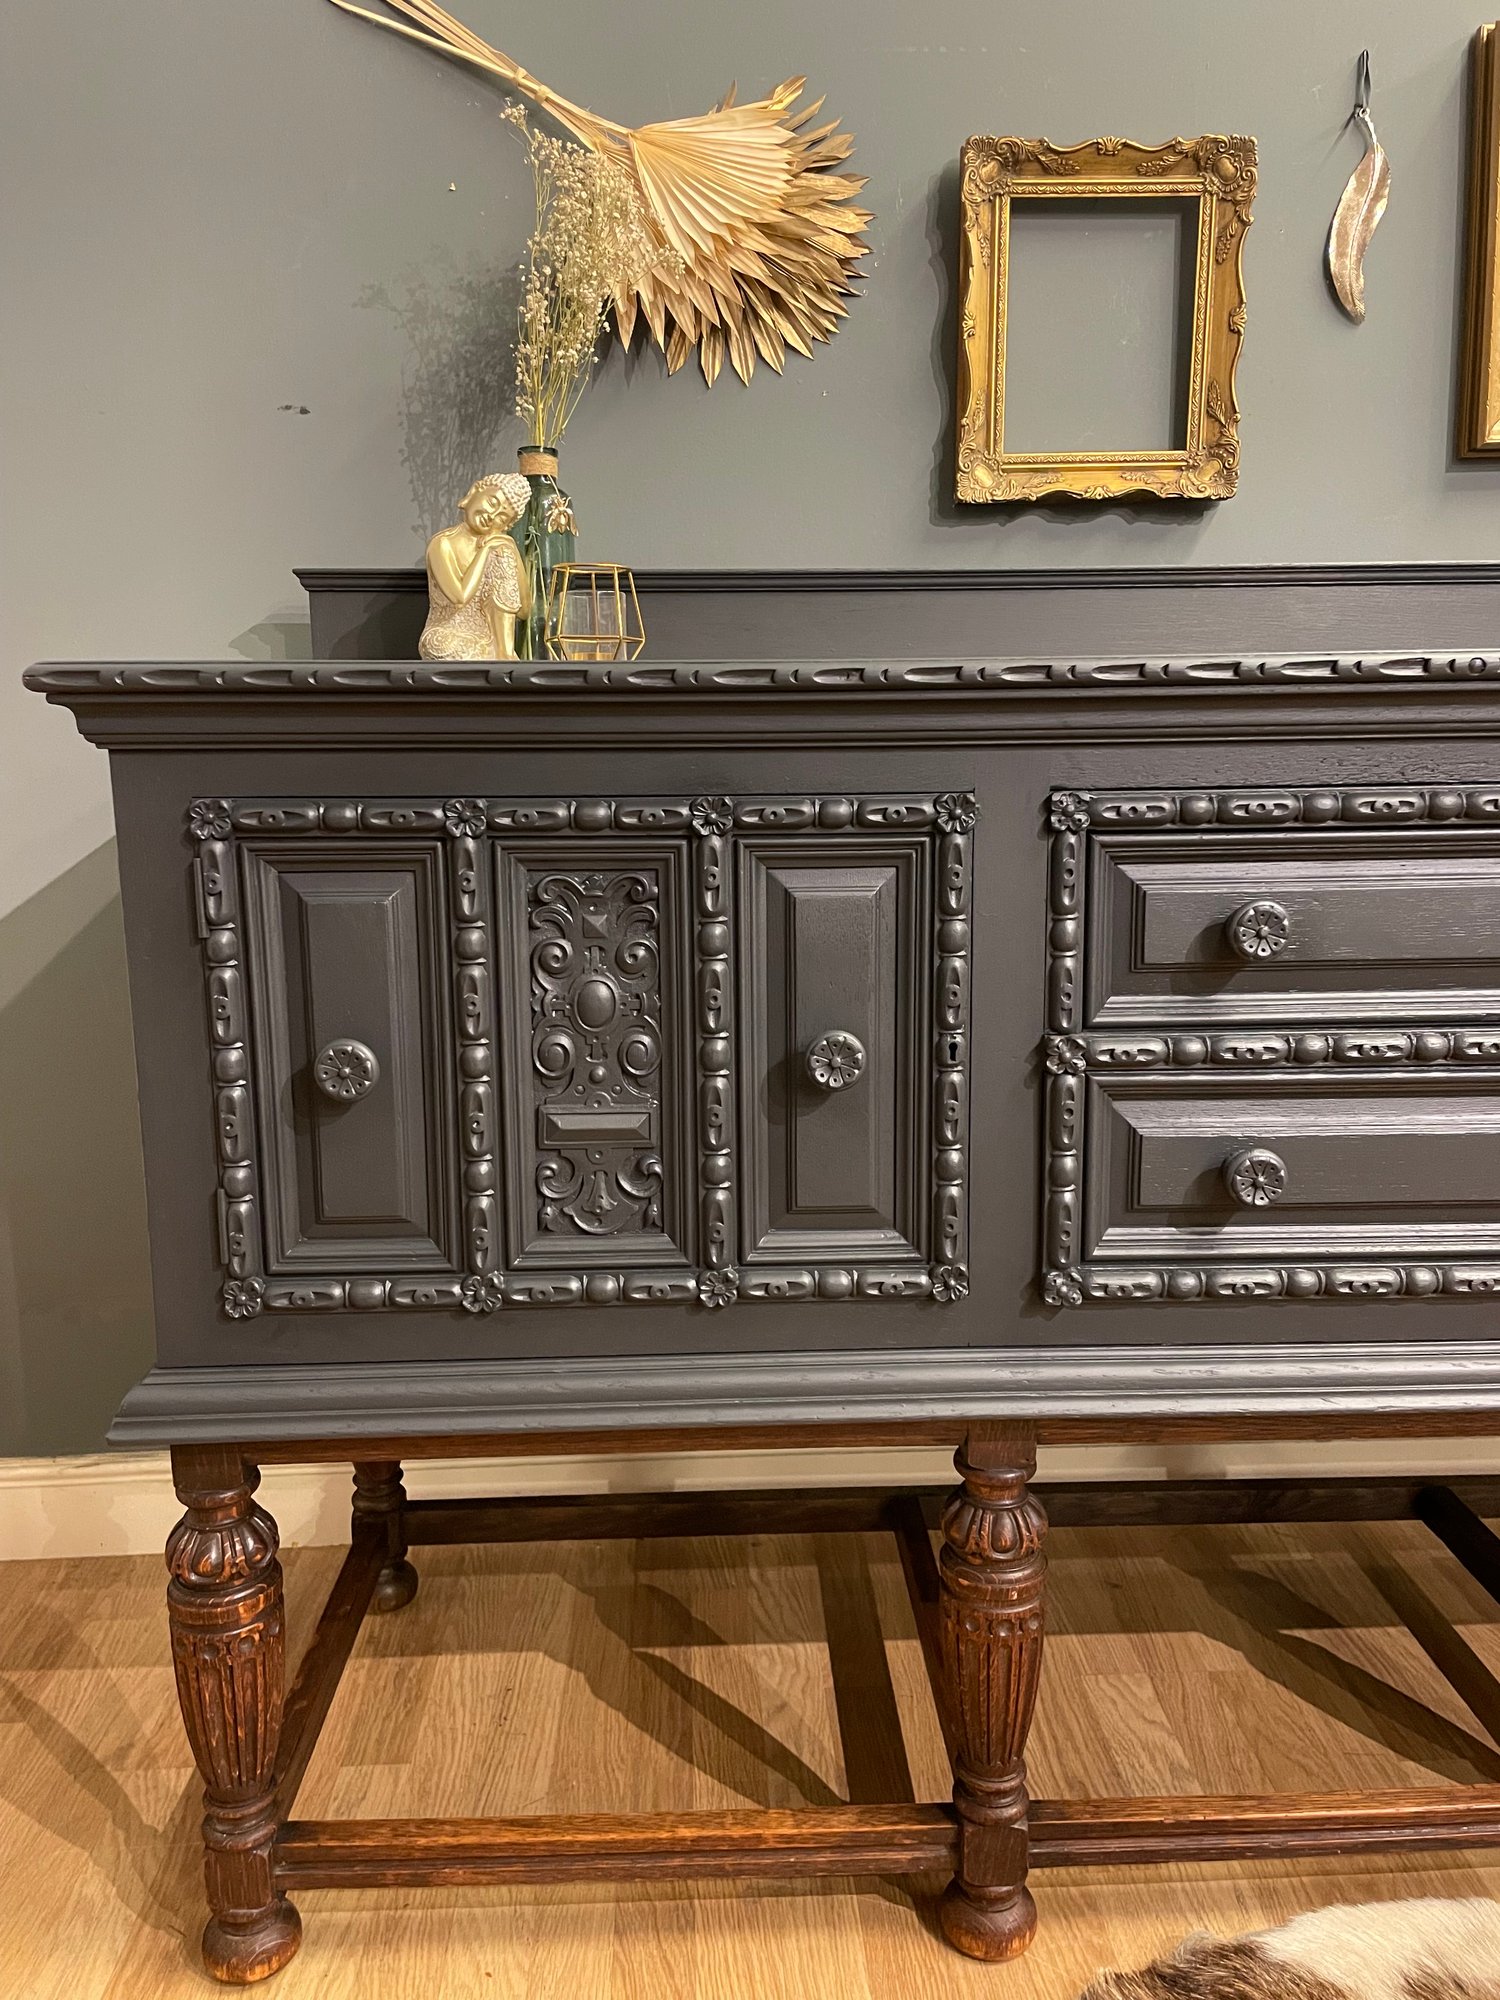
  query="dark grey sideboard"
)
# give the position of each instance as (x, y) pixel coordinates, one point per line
(984, 1051)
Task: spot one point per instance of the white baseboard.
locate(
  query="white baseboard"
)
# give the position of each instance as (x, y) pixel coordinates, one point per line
(121, 1503)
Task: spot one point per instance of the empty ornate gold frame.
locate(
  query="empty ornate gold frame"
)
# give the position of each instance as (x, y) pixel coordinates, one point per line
(1217, 173)
(1479, 391)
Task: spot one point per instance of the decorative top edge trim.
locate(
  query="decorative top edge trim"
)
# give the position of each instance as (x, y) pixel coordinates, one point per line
(390, 679)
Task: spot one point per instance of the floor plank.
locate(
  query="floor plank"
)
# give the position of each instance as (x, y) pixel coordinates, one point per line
(715, 1673)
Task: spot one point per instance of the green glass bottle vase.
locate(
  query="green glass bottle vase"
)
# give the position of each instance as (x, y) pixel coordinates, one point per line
(547, 534)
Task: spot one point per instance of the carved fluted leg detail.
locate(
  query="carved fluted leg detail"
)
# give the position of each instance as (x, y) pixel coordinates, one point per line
(379, 1497)
(224, 1606)
(992, 1573)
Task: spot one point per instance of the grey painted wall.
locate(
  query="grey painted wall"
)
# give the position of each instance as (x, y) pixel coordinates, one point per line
(255, 297)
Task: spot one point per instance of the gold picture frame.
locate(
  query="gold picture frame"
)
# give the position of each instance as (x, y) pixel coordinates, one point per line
(1479, 374)
(1215, 172)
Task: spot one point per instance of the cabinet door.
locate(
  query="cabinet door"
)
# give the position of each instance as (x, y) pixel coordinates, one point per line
(479, 1054)
(835, 1029)
(349, 987)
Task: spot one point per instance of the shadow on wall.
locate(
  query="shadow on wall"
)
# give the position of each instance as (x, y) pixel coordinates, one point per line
(75, 1298)
(457, 376)
(284, 636)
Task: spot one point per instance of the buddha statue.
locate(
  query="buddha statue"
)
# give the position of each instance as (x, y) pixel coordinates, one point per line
(477, 585)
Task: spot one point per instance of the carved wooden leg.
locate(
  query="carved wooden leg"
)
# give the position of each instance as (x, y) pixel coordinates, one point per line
(992, 1570)
(380, 1497)
(224, 1606)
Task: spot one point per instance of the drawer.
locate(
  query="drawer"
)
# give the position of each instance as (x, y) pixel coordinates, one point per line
(477, 1054)
(1242, 1165)
(1313, 924)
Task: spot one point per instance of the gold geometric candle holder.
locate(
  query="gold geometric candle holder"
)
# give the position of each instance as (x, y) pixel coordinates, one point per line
(593, 613)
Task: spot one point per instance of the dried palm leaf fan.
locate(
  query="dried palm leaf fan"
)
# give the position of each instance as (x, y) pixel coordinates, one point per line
(761, 236)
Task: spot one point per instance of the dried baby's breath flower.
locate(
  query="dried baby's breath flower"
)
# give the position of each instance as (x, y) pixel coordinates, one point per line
(593, 241)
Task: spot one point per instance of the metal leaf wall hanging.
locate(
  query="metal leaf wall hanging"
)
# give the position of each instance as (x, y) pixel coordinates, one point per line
(1360, 208)
(764, 235)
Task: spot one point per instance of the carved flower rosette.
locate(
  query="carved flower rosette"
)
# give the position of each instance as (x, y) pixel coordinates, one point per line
(718, 1288)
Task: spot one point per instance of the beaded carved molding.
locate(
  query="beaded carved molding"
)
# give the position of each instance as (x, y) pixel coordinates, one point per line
(1084, 1063)
(379, 680)
(592, 986)
(1217, 174)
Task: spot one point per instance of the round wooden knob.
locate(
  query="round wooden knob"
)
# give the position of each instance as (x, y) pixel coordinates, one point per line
(1259, 930)
(344, 1070)
(1255, 1176)
(836, 1060)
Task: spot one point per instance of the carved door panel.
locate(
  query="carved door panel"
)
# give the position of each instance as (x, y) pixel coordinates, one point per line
(853, 985)
(347, 979)
(834, 1028)
(345, 967)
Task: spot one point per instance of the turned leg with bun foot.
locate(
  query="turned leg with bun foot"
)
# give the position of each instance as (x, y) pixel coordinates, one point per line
(224, 1606)
(379, 1497)
(991, 1571)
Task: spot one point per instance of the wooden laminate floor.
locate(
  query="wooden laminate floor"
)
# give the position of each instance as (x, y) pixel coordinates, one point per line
(663, 1675)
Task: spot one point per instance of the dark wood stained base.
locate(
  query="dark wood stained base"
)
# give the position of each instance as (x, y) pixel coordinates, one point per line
(908, 1512)
(240, 1956)
(396, 1586)
(988, 1836)
(886, 1840)
(992, 1926)
(407, 1853)
(1097, 1833)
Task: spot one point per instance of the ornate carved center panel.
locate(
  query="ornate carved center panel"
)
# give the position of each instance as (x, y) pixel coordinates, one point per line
(596, 1049)
(594, 934)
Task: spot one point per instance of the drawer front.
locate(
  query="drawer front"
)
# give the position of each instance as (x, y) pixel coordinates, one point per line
(1273, 1056)
(1294, 926)
(480, 1054)
(1402, 1164)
